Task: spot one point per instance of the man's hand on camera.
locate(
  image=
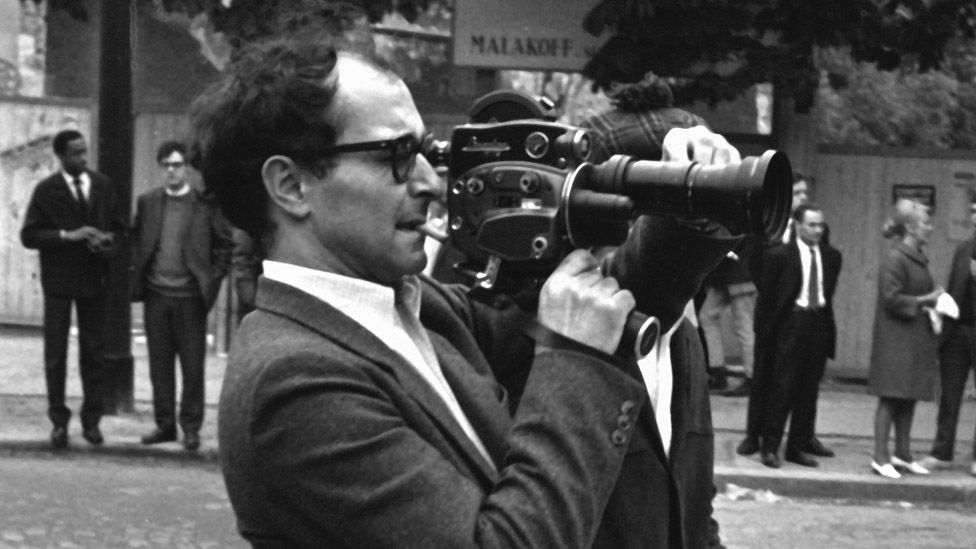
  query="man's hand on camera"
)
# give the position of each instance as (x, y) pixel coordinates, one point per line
(698, 144)
(578, 302)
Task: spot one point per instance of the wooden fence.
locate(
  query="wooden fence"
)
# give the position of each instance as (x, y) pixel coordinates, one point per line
(856, 188)
(29, 127)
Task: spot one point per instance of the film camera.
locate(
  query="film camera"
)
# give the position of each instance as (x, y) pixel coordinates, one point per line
(522, 194)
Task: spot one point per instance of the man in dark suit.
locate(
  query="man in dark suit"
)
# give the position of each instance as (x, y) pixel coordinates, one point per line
(181, 254)
(360, 407)
(798, 282)
(72, 220)
(957, 353)
(765, 349)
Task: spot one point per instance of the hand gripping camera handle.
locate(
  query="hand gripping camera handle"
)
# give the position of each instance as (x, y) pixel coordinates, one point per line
(639, 336)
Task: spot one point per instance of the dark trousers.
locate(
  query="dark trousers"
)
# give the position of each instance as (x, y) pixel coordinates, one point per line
(957, 357)
(764, 358)
(799, 366)
(57, 323)
(176, 326)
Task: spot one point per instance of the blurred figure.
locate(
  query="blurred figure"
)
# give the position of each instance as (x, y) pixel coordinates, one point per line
(245, 261)
(73, 221)
(730, 288)
(799, 280)
(904, 350)
(180, 256)
(957, 352)
(801, 196)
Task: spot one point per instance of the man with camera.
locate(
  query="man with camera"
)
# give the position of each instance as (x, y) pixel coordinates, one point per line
(359, 407)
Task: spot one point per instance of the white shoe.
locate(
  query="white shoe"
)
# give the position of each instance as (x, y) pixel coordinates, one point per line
(933, 463)
(886, 470)
(912, 467)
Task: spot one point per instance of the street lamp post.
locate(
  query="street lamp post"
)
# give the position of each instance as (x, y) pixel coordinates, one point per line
(115, 149)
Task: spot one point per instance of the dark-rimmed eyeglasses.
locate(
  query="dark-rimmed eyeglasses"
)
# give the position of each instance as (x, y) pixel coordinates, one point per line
(403, 152)
(171, 165)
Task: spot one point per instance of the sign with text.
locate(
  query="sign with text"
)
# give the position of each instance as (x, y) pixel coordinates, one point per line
(515, 34)
(920, 193)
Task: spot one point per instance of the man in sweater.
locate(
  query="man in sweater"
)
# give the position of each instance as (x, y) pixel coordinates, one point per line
(182, 251)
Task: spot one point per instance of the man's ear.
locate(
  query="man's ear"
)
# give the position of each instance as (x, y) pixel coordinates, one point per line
(284, 183)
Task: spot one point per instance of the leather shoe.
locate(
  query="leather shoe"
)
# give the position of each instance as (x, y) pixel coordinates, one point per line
(191, 441)
(159, 435)
(800, 459)
(747, 447)
(770, 459)
(59, 437)
(93, 435)
(815, 448)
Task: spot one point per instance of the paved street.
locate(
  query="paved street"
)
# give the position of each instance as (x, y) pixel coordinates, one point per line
(79, 501)
(825, 524)
(128, 495)
(72, 501)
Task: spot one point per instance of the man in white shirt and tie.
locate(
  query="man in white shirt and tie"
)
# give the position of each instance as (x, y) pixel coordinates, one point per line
(764, 348)
(799, 280)
(72, 220)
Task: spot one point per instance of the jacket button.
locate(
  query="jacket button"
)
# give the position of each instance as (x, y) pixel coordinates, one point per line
(618, 437)
(624, 422)
(627, 406)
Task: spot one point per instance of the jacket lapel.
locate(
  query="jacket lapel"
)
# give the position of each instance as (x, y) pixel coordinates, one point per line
(482, 399)
(154, 220)
(67, 197)
(647, 420)
(344, 332)
(795, 270)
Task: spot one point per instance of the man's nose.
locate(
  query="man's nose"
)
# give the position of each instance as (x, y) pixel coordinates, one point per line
(424, 180)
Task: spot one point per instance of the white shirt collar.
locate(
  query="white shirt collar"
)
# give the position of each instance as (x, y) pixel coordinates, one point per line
(182, 191)
(70, 181)
(658, 375)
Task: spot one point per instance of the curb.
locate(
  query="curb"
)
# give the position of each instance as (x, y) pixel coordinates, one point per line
(115, 449)
(848, 487)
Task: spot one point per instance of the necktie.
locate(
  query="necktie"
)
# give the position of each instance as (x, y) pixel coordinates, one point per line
(813, 290)
(82, 202)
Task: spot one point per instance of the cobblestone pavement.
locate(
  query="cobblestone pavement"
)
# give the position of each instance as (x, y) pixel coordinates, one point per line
(76, 502)
(763, 520)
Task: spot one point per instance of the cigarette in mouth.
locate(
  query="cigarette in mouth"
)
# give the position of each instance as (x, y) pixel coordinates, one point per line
(433, 232)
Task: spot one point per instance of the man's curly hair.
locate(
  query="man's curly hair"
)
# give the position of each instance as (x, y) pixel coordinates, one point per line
(273, 100)
(650, 93)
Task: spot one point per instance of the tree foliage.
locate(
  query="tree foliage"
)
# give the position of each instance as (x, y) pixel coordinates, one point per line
(723, 47)
(858, 104)
(246, 20)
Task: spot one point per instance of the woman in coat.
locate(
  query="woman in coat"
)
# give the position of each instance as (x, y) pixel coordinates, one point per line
(903, 358)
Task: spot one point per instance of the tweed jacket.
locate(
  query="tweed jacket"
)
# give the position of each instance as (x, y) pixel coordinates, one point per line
(328, 438)
(207, 249)
(70, 269)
